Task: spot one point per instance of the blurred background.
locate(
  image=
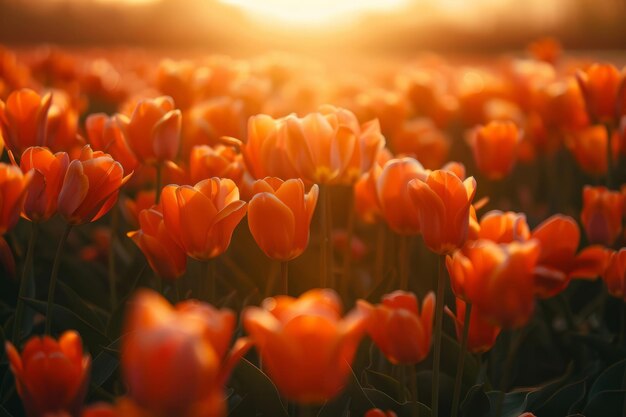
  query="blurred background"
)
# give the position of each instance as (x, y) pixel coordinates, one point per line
(242, 27)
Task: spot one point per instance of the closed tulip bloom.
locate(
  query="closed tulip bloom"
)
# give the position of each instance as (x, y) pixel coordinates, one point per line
(265, 150)
(498, 279)
(217, 161)
(602, 214)
(23, 120)
(48, 171)
(600, 85)
(443, 205)
(495, 148)
(397, 326)
(106, 134)
(175, 360)
(558, 261)
(13, 188)
(504, 227)
(615, 274)
(90, 187)
(306, 345)
(393, 194)
(164, 255)
(51, 376)
(279, 216)
(330, 147)
(588, 146)
(202, 218)
(154, 130)
(366, 203)
(482, 334)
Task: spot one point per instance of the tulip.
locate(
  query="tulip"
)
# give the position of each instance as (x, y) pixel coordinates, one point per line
(279, 216)
(600, 85)
(495, 148)
(392, 188)
(202, 218)
(51, 376)
(131, 207)
(330, 147)
(498, 279)
(366, 203)
(90, 187)
(106, 134)
(588, 146)
(504, 227)
(13, 190)
(48, 173)
(398, 328)
(23, 120)
(615, 274)
(545, 49)
(421, 139)
(175, 360)
(154, 130)
(602, 214)
(164, 255)
(558, 262)
(305, 344)
(482, 334)
(443, 205)
(265, 150)
(218, 161)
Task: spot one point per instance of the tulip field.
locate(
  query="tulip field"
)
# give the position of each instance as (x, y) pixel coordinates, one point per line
(211, 236)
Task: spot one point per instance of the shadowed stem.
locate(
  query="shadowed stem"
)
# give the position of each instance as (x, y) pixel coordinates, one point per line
(158, 183)
(379, 260)
(403, 261)
(508, 364)
(609, 156)
(54, 275)
(284, 276)
(411, 370)
(461, 361)
(441, 291)
(28, 265)
(111, 263)
(347, 259)
(326, 253)
(207, 281)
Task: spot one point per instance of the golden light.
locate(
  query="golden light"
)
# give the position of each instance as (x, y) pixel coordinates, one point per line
(313, 12)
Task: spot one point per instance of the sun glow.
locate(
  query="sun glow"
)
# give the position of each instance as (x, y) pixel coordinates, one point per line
(313, 12)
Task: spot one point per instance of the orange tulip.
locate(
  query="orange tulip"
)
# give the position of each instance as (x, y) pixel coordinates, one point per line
(482, 334)
(423, 140)
(306, 346)
(106, 134)
(50, 376)
(498, 279)
(377, 412)
(164, 255)
(558, 262)
(48, 173)
(330, 147)
(495, 148)
(366, 203)
(392, 187)
(218, 161)
(398, 328)
(279, 216)
(615, 274)
(600, 85)
(202, 218)
(545, 49)
(90, 187)
(443, 204)
(588, 146)
(131, 207)
(175, 360)
(602, 214)
(154, 130)
(23, 120)
(265, 150)
(504, 227)
(14, 186)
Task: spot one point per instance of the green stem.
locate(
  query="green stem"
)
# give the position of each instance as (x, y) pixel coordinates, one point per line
(403, 262)
(324, 241)
(461, 361)
(413, 387)
(158, 183)
(111, 264)
(516, 343)
(441, 291)
(207, 281)
(28, 265)
(609, 156)
(54, 275)
(284, 274)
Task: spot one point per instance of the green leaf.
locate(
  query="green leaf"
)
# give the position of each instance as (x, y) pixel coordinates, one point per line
(4, 412)
(560, 402)
(449, 358)
(513, 405)
(74, 302)
(385, 383)
(476, 402)
(610, 379)
(253, 383)
(606, 404)
(385, 402)
(105, 364)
